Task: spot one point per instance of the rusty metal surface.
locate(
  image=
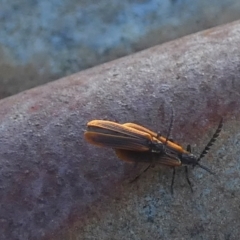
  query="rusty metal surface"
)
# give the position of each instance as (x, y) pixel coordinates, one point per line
(54, 184)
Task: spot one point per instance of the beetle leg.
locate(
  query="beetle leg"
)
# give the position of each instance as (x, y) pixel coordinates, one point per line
(173, 177)
(141, 173)
(189, 183)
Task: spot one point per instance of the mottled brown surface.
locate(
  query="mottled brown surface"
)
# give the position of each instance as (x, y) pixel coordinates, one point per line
(54, 185)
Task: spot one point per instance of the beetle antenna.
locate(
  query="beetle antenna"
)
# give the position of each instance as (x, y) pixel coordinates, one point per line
(205, 168)
(212, 140)
(170, 126)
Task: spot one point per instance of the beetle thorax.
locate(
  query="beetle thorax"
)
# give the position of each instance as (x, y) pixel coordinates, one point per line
(189, 159)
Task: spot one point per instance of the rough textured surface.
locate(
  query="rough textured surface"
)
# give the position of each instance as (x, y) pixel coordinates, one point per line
(56, 186)
(44, 40)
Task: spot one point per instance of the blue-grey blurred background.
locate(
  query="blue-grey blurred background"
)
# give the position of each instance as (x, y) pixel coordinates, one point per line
(41, 41)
